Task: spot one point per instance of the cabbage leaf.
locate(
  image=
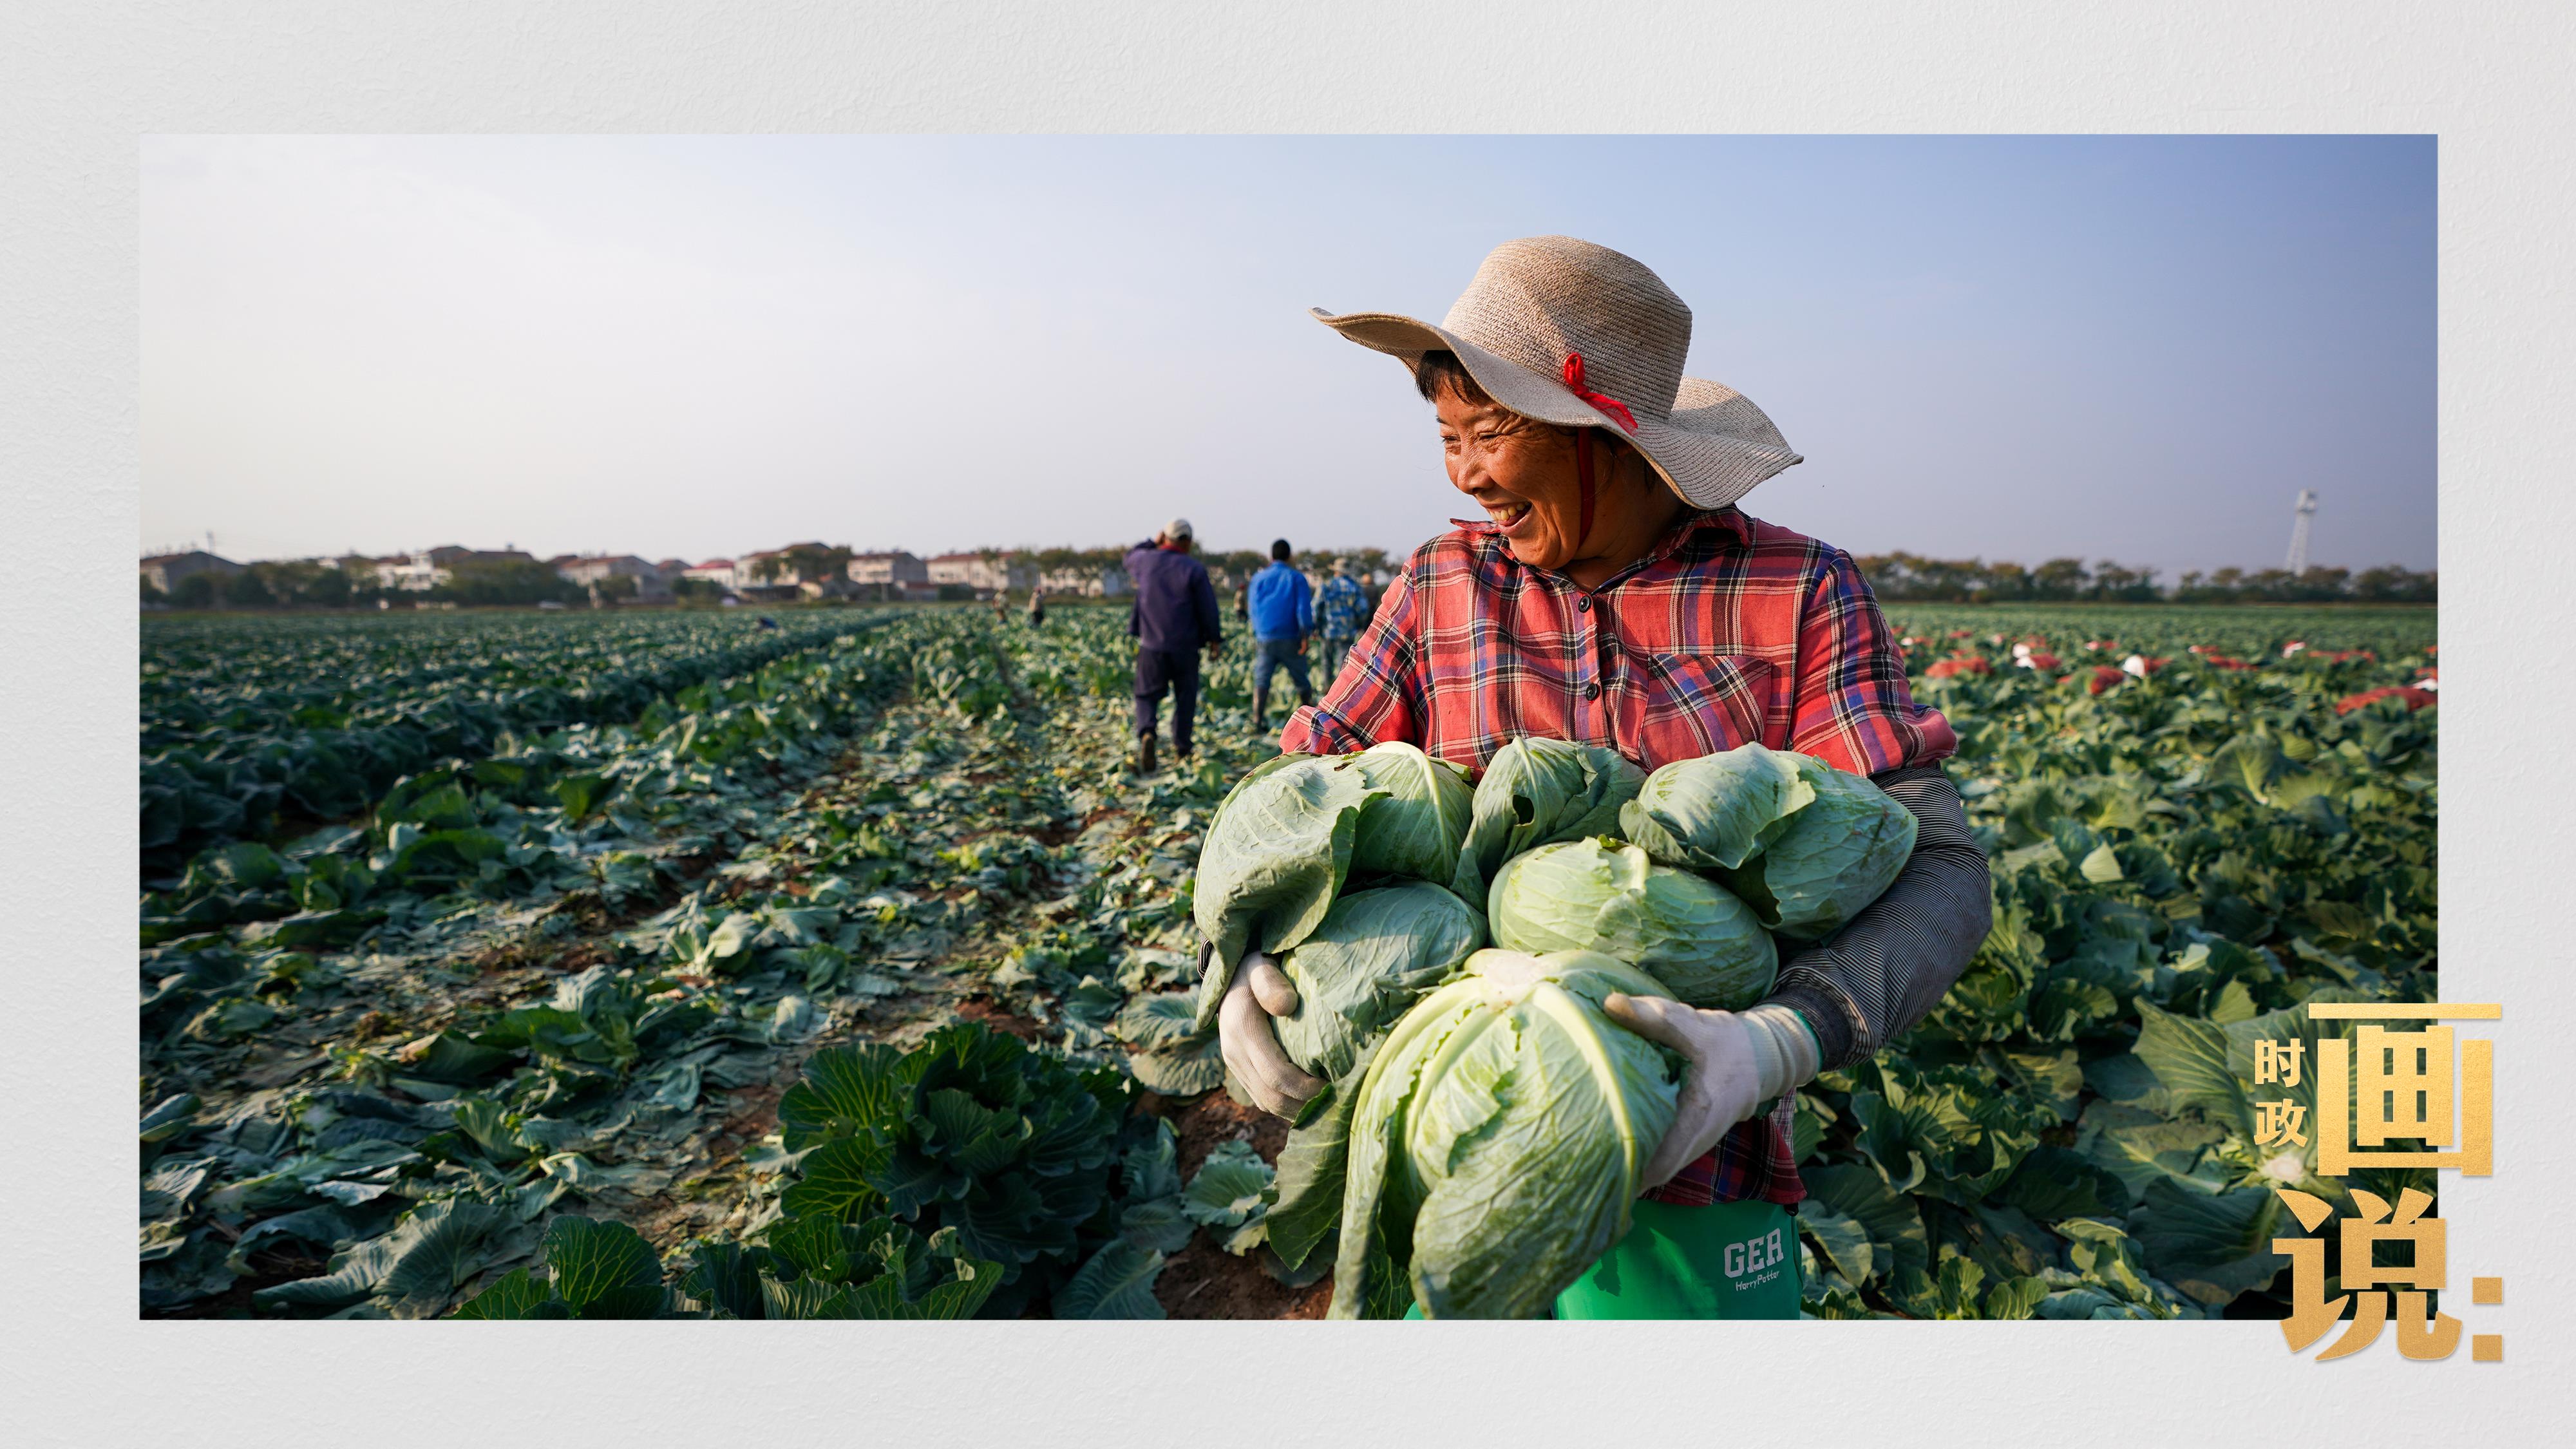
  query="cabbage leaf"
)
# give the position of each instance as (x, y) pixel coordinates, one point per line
(1718, 811)
(1274, 858)
(1601, 895)
(1415, 830)
(1375, 951)
(1535, 792)
(1835, 856)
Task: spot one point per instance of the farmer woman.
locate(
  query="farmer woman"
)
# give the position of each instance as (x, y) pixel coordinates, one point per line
(1613, 594)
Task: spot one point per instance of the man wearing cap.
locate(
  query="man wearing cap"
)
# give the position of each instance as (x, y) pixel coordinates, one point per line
(1341, 608)
(1612, 593)
(1282, 606)
(1172, 618)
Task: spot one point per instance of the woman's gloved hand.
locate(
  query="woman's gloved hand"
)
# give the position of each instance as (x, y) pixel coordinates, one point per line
(1251, 1048)
(1740, 1062)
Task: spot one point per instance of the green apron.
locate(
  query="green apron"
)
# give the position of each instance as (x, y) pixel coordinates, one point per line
(1731, 1260)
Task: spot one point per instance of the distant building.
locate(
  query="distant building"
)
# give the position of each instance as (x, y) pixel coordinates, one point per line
(893, 574)
(164, 570)
(775, 570)
(418, 573)
(429, 568)
(650, 581)
(716, 571)
(896, 567)
(451, 555)
(981, 573)
(1089, 583)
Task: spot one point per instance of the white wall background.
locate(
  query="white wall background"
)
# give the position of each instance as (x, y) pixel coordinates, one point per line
(80, 84)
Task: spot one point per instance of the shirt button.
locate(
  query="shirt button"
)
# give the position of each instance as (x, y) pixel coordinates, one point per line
(1592, 691)
(1583, 605)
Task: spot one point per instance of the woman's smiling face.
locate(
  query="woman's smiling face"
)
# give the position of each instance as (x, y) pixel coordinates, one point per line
(1521, 471)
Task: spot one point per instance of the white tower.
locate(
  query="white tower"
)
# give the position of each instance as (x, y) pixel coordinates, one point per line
(2307, 509)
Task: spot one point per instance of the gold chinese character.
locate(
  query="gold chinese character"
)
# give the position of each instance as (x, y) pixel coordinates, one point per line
(2278, 1123)
(2385, 1085)
(2421, 1334)
(2278, 1061)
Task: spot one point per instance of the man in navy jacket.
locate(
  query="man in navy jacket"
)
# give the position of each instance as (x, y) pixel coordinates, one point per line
(1174, 616)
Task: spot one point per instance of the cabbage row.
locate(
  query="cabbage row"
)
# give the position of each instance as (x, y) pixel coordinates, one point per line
(513, 1013)
(247, 722)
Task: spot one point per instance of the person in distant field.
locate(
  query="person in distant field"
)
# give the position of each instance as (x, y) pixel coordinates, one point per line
(1173, 617)
(1341, 609)
(1037, 608)
(1282, 606)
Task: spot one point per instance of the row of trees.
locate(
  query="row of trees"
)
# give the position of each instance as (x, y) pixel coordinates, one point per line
(1914, 578)
(1233, 565)
(290, 584)
(1897, 577)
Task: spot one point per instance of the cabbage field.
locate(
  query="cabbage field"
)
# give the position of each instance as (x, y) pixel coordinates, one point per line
(665, 964)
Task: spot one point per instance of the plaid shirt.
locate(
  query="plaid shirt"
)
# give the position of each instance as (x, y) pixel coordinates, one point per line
(1729, 631)
(1344, 606)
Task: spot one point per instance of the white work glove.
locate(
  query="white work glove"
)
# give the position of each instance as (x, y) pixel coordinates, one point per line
(1251, 1047)
(1740, 1062)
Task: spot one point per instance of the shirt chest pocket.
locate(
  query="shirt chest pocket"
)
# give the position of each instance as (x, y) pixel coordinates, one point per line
(1690, 705)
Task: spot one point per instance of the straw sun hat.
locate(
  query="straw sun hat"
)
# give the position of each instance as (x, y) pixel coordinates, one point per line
(1578, 335)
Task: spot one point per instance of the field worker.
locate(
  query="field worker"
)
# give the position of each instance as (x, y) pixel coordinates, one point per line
(1173, 618)
(1612, 593)
(1341, 609)
(1283, 617)
(1037, 608)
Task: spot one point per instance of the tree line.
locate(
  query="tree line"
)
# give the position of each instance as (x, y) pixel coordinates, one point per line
(1913, 578)
(1896, 577)
(289, 584)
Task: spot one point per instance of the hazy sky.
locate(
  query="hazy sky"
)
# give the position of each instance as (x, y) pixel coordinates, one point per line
(2138, 349)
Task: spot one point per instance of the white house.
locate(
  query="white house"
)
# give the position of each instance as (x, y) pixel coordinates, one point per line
(414, 573)
(776, 568)
(716, 571)
(1088, 583)
(894, 567)
(983, 575)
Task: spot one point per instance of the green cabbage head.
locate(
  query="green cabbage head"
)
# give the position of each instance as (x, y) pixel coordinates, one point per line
(1601, 895)
(1497, 1138)
(1275, 856)
(1374, 953)
(1835, 856)
(1536, 792)
(1415, 831)
(1718, 811)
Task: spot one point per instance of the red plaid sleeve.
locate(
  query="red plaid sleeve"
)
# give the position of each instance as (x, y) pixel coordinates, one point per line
(1851, 707)
(1378, 694)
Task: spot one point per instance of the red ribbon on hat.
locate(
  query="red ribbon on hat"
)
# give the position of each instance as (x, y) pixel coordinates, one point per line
(1610, 407)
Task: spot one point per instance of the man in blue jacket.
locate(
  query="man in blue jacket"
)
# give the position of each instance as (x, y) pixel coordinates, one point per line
(1283, 615)
(1174, 616)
